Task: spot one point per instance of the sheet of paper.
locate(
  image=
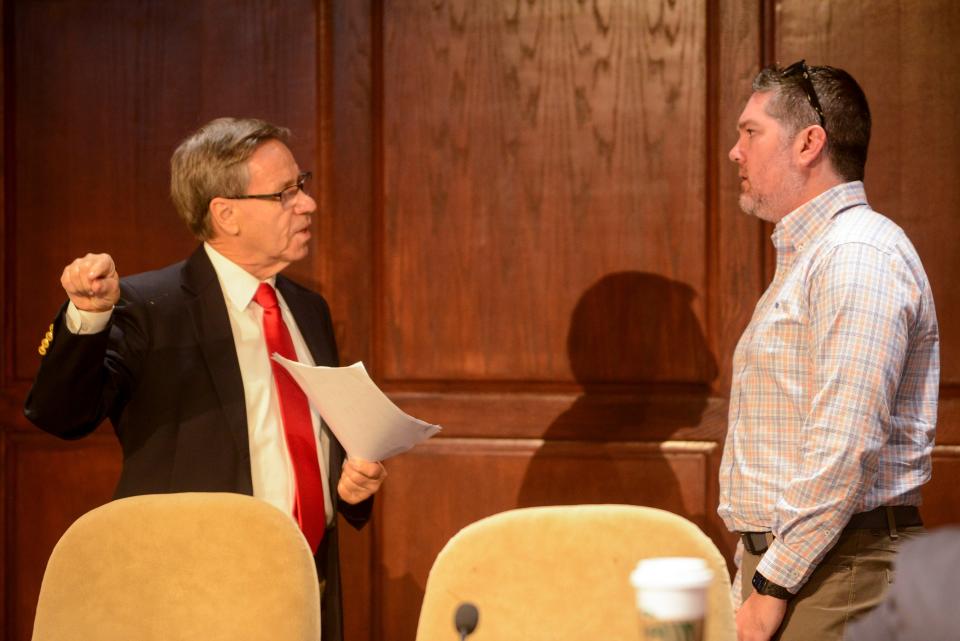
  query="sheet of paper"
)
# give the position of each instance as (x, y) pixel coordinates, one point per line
(364, 420)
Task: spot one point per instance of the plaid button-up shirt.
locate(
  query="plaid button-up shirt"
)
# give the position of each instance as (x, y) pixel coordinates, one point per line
(834, 400)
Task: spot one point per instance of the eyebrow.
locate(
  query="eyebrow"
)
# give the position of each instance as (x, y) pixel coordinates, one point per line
(743, 124)
(289, 183)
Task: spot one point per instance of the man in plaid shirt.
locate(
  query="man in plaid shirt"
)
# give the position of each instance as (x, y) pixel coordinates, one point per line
(834, 399)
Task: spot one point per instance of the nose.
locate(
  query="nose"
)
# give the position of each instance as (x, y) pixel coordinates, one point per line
(734, 153)
(304, 203)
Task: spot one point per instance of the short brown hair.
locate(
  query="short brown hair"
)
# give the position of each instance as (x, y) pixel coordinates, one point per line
(212, 162)
(846, 113)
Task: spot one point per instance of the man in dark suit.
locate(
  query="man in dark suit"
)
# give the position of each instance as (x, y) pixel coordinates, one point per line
(178, 359)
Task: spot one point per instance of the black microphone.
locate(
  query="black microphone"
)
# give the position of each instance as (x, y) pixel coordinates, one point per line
(466, 619)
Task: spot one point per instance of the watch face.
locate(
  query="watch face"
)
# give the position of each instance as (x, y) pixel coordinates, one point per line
(763, 586)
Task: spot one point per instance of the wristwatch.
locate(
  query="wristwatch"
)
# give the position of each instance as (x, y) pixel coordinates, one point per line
(764, 586)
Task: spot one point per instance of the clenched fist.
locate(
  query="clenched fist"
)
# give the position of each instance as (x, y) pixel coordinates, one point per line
(92, 283)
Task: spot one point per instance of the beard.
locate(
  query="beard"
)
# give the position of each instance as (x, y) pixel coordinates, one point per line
(774, 205)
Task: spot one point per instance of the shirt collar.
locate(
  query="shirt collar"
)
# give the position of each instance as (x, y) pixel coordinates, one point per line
(808, 221)
(238, 284)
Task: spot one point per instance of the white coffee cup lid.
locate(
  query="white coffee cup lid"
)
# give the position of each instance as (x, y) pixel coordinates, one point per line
(671, 573)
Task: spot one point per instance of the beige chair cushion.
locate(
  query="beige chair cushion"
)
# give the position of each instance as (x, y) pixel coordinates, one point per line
(178, 567)
(562, 573)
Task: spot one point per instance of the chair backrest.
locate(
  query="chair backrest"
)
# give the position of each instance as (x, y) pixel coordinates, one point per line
(562, 574)
(177, 567)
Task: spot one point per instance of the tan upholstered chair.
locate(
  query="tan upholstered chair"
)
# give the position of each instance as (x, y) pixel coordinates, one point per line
(210, 567)
(562, 574)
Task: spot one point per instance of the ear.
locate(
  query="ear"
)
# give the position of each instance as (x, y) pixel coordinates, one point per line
(224, 217)
(811, 144)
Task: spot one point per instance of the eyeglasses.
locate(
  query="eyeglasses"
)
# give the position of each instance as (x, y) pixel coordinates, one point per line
(800, 68)
(285, 196)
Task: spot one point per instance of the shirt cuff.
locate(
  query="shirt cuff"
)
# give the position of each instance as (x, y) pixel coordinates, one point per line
(784, 567)
(81, 322)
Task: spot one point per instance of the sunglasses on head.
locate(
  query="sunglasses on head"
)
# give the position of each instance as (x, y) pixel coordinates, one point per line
(801, 69)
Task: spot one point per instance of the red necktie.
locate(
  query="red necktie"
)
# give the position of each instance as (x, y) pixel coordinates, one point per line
(308, 508)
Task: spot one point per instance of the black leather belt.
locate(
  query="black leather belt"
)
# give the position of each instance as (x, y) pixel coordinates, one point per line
(880, 518)
(876, 519)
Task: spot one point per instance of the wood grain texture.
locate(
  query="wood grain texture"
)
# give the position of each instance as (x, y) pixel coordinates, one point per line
(97, 116)
(346, 254)
(100, 93)
(941, 496)
(630, 416)
(53, 484)
(529, 230)
(347, 225)
(532, 150)
(738, 242)
(898, 52)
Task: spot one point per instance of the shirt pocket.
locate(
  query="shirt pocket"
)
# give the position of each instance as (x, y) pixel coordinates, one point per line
(782, 339)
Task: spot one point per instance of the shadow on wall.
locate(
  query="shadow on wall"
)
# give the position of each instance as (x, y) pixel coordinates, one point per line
(637, 350)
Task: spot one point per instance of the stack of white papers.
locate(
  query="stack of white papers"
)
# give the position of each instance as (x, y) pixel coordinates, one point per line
(364, 420)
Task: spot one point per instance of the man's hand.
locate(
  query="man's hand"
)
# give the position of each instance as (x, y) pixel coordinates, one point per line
(92, 283)
(759, 617)
(360, 479)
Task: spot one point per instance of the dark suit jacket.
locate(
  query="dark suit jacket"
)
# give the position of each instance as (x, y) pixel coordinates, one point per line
(166, 374)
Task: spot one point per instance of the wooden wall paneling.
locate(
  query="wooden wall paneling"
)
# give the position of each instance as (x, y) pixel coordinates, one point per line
(6, 336)
(97, 116)
(941, 496)
(737, 244)
(546, 248)
(6, 240)
(544, 221)
(7, 552)
(501, 184)
(664, 414)
(49, 485)
(533, 151)
(91, 163)
(446, 484)
(349, 222)
(903, 56)
(346, 228)
(91, 125)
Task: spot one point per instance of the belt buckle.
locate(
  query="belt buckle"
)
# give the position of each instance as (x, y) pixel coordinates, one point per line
(754, 542)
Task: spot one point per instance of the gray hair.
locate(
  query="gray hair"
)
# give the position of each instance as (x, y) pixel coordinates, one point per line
(212, 162)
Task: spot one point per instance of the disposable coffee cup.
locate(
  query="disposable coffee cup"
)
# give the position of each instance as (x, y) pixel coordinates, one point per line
(672, 597)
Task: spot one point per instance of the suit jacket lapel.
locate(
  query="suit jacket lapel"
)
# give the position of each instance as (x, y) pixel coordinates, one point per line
(215, 337)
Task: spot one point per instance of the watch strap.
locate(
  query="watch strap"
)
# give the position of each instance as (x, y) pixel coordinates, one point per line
(764, 586)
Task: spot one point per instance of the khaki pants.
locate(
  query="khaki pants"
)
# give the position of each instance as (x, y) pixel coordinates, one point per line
(850, 581)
